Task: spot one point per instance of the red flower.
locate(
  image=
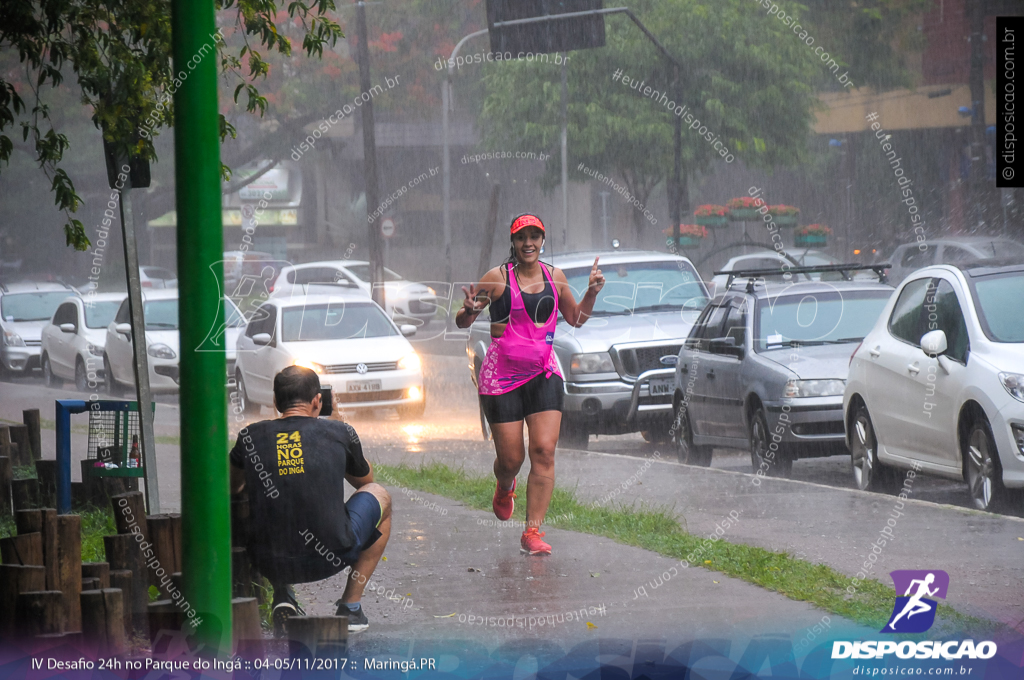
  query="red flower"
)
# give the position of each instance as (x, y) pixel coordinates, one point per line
(783, 210)
(744, 202)
(814, 230)
(709, 210)
(693, 230)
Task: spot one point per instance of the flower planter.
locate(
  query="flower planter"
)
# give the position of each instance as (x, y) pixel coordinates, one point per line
(686, 242)
(811, 239)
(711, 220)
(743, 214)
(785, 220)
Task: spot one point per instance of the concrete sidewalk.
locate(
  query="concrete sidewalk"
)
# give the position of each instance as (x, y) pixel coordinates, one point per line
(983, 553)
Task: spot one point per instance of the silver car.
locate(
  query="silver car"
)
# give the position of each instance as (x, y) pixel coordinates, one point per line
(765, 366)
(617, 367)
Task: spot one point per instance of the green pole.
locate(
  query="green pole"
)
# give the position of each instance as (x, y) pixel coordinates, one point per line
(205, 499)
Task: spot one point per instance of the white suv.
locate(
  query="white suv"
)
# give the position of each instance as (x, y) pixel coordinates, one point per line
(74, 339)
(24, 309)
(347, 339)
(939, 383)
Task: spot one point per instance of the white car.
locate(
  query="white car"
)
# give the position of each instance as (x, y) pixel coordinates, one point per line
(157, 277)
(25, 308)
(72, 343)
(939, 383)
(770, 259)
(404, 300)
(347, 339)
(160, 310)
(910, 257)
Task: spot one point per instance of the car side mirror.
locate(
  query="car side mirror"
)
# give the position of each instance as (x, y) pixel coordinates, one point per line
(123, 328)
(725, 345)
(262, 339)
(67, 327)
(407, 329)
(933, 343)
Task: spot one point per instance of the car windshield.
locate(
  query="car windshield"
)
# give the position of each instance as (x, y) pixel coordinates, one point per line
(31, 306)
(338, 321)
(999, 306)
(99, 313)
(362, 272)
(632, 287)
(161, 315)
(816, 318)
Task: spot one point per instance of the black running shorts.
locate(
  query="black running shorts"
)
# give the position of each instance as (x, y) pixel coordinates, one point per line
(540, 394)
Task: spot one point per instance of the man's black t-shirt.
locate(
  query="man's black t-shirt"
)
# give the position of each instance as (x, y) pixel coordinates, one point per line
(294, 473)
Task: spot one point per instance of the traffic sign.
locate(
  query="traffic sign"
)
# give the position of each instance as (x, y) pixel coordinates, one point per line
(387, 227)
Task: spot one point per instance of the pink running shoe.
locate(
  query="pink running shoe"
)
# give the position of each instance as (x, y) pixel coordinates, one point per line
(532, 545)
(504, 501)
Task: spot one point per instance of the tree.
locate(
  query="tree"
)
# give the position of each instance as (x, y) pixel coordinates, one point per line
(119, 54)
(748, 86)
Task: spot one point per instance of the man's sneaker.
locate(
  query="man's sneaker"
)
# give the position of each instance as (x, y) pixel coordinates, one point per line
(504, 501)
(284, 607)
(532, 545)
(357, 621)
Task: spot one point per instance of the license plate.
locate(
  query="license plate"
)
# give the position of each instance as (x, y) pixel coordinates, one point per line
(661, 386)
(364, 386)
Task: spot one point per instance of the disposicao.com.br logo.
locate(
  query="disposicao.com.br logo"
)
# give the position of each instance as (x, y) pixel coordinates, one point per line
(914, 612)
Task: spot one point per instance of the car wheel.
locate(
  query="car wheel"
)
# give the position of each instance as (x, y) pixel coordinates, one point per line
(81, 377)
(982, 469)
(113, 387)
(48, 377)
(688, 452)
(777, 463)
(485, 427)
(572, 435)
(869, 473)
(248, 407)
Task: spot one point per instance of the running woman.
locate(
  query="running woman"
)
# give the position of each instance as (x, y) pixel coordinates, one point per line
(519, 379)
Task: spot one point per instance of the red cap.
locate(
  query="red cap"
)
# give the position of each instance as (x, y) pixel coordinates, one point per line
(527, 220)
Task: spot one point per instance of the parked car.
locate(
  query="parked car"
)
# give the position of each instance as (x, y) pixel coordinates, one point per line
(72, 343)
(910, 257)
(613, 365)
(160, 310)
(245, 263)
(939, 383)
(770, 259)
(25, 308)
(765, 366)
(404, 300)
(157, 277)
(347, 339)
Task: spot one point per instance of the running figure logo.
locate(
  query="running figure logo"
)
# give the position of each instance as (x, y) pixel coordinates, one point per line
(913, 611)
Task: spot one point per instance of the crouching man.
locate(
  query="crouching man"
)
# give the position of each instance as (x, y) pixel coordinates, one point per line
(301, 527)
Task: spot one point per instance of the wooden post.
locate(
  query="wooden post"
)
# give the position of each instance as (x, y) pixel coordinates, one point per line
(79, 494)
(14, 580)
(44, 521)
(5, 441)
(46, 474)
(91, 583)
(165, 534)
(123, 552)
(103, 621)
(122, 580)
(22, 549)
(30, 417)
(39, 612)
(69, 559)
(164, 615)
(130, 511)
(19, 436)
(25, 493)
(6, 475)
(97, 570)
(246, 633)
(29, 521)
(322, 635)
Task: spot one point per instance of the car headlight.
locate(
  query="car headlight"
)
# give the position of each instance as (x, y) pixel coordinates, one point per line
(432, 291)
(161, 351)
(311, 365)
(95, 350)
(410, 362)
(12, 339)
(1014, 384)
(593, 362)
(814, 388)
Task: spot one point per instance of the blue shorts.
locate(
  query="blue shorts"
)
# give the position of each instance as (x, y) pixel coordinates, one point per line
(364, 515)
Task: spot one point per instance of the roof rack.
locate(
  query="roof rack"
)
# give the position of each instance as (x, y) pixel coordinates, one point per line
(753, 274)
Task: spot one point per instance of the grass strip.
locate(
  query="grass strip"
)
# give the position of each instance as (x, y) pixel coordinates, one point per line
(655, 529)
(79, 428)
(96, 523)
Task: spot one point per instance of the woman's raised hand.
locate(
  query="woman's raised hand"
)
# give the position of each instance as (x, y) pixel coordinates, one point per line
(596, 278)
(475, 300)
